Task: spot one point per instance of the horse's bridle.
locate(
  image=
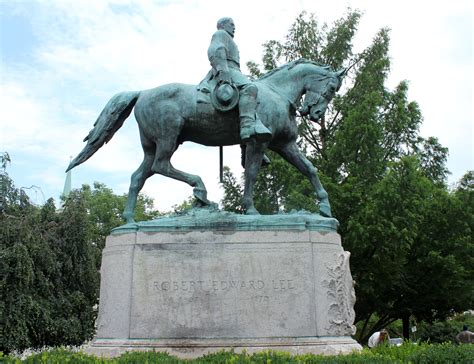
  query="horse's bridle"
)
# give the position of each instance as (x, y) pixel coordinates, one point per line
(308, 104)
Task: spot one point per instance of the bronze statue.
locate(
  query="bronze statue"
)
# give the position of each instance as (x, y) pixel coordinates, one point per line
(171, 114)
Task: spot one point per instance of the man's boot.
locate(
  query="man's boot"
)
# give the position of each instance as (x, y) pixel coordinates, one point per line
(250, 125)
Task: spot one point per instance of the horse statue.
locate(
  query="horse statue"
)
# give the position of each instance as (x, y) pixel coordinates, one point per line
(171, 114)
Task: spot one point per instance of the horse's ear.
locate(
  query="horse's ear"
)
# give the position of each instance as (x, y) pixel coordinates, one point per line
(342, 73)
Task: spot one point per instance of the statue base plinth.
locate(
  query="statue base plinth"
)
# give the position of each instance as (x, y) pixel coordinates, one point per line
(189, 349)
(212, 281)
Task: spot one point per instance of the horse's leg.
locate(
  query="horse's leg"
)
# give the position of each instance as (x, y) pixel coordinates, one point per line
(253, 161)
(162, 165)
(138, 180)
(293, 155)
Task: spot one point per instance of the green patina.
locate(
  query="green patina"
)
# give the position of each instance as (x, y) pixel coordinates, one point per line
(215, 220)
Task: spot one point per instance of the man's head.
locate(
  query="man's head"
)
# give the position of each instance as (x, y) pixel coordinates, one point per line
(383, 335)
(226, 24)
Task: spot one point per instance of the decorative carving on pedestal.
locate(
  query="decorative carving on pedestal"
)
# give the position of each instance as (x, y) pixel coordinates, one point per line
(341, 296)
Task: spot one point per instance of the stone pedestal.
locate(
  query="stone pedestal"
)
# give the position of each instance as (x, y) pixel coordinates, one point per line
(204, 282)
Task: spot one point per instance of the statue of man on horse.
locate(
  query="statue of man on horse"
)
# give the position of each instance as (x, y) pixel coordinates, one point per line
(171, 114)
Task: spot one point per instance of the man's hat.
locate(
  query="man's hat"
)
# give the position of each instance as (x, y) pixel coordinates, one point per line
(225, 96)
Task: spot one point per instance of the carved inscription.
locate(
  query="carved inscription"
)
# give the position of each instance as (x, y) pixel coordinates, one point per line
(220, 285)
(227, 291)
(226, 301)
(216, 303)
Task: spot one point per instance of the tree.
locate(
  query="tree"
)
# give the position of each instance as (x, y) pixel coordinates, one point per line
(433, 157)
(232, 200)
(104, 210)
(403, 234)
(183, 206)
(49, 278)
(50, 260)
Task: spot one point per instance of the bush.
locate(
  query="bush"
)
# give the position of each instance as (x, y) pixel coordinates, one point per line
(443, 331)
(57, 356)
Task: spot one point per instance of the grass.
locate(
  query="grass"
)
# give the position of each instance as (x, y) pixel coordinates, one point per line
(407, 353)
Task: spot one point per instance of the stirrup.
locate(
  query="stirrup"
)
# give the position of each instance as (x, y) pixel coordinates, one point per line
(254, 128)
(263, 134)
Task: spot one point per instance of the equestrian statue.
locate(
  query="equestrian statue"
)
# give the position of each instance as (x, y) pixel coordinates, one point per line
(226, 108)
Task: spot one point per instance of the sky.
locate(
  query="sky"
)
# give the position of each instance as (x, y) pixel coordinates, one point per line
(61, 61)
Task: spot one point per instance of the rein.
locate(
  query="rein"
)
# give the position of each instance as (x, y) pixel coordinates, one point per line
(308, 105)
(294, 105)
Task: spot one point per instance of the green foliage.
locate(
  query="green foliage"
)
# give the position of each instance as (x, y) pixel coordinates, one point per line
(183, 206)
(48, 269)
(232, 200)
(438, 331)
(443, 331)
(382, 232)
(408, 353)
(405, 230)
(147, 357)
(426, 353)
(61, 355)
(433, 157)
(49, 263)
(104, 210)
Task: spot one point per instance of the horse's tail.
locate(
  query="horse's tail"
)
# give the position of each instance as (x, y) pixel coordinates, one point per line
(109, 121)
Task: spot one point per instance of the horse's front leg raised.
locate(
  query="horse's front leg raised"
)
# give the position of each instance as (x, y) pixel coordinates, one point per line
(253, 161)
(163, 166)
(294, 156)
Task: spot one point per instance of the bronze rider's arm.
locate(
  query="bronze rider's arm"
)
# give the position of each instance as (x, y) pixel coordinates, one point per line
(217, 54)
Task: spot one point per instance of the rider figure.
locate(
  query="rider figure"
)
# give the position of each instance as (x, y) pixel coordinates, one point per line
(224, 57)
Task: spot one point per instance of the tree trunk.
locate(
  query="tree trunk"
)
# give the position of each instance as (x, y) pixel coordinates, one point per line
(406, 327)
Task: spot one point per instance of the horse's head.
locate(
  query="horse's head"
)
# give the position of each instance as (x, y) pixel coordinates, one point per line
(319, 93)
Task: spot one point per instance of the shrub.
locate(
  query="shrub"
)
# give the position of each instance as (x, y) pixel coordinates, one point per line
(443, 331)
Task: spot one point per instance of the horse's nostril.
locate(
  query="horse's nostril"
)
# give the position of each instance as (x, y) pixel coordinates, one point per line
(316, 115)
(303, 111)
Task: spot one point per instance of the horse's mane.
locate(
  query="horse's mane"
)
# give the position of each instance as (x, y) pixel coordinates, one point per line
(288, 66)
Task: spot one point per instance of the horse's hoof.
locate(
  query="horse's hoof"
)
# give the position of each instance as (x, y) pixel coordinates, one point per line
(325, 210)
(129, 218)
(211, 206)
(197, 204)
(200, 195)
(251, 211)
